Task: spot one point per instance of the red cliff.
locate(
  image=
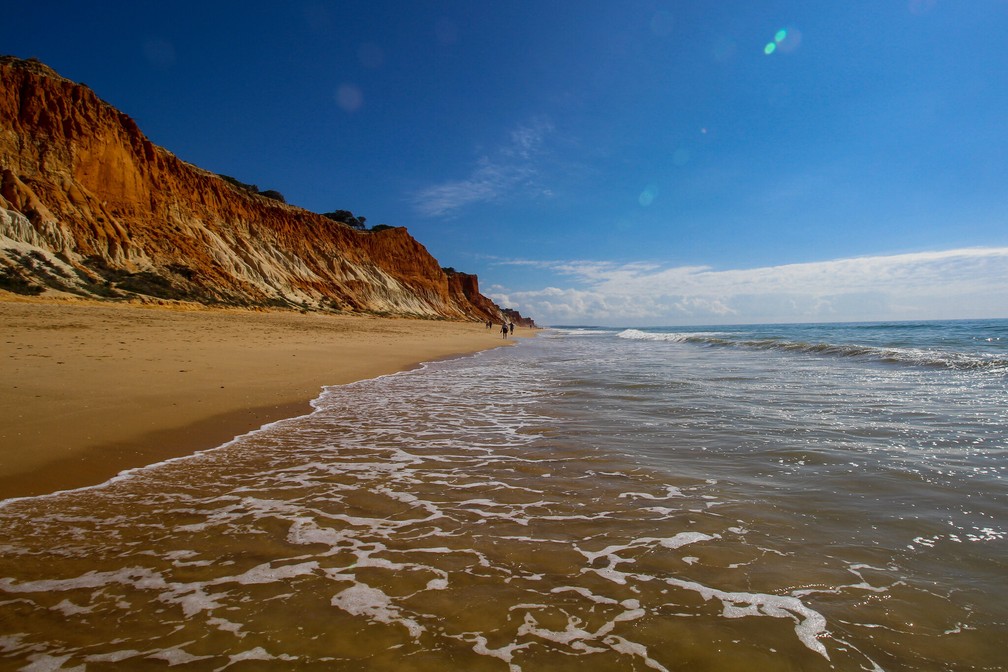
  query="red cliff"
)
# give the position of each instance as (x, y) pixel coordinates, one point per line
(89, 205)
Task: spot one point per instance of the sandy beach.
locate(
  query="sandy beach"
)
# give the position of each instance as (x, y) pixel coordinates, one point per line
(90, 389)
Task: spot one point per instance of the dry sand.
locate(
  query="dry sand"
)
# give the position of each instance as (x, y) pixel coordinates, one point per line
(89, 389)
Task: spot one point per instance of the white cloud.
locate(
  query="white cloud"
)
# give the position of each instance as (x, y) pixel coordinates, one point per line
(493, 177)
(487, 182)
(527, 139)
(949, 284)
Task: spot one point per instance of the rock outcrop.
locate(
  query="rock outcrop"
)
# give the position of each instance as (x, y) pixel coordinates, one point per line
(89, 205)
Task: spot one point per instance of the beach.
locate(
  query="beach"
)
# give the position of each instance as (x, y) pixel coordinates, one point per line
(804, 497)
(90, 389)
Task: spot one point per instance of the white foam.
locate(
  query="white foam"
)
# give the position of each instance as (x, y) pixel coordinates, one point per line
(584, 592)
(809, 624)
(179, 555)
(258, 653)
(664, 336)
(504, 653)
(12, 642)
(613, 575)
(661, 510)
(572, 632)
(113, 656)
(581, 331)
(670, 493)
(686, 538)
(191, 598)
(43, 662)
(634, 649)
(677, 541)
(437, 584)
(225, 625)
(266, 573)
(363, 600)
(177, 656)
(68, 608)
(138, 577)
(575, 636)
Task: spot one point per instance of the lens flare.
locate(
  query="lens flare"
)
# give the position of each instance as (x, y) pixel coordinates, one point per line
(785, 40)
(648, 195)
(349, 97)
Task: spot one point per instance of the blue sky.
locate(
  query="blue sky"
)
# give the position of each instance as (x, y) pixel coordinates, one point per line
(614, 163)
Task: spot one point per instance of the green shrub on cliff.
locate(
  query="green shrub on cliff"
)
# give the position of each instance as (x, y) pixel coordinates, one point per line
(252, 189)
(346, 217)
(274, 194)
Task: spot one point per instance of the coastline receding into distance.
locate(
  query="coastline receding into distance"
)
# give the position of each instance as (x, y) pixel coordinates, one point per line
(93, 389)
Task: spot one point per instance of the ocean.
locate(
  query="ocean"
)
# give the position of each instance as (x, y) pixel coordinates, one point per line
(792, 497)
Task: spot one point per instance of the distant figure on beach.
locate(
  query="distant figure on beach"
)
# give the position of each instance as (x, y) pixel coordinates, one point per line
(489, 324)
(504, 330)
(512, 328)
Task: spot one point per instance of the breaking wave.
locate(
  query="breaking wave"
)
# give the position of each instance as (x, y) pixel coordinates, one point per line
(918, 357)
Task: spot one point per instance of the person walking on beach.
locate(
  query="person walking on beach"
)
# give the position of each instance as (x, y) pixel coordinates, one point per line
(511, 325)
(504, 330)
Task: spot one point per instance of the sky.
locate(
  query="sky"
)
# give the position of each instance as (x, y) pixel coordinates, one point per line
(631, 163)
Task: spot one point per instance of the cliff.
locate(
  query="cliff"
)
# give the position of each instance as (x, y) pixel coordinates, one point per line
(88, 205)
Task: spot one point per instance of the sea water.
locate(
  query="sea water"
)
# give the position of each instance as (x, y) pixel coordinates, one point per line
(810, 497)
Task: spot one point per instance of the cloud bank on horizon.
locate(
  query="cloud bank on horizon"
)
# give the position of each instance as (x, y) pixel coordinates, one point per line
(950, 284)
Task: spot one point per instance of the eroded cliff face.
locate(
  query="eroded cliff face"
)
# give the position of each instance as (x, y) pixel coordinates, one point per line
(90, 206)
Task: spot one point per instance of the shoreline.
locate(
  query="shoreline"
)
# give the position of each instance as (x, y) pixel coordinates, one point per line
(92, 389)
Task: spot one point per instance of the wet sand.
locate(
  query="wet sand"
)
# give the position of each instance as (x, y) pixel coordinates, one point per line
(90, 389)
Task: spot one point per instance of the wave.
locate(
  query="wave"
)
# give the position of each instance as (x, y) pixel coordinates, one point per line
(582, 331)
(671, 337)
(921, 357)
